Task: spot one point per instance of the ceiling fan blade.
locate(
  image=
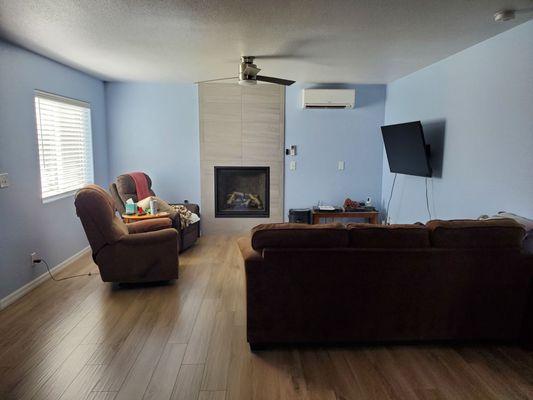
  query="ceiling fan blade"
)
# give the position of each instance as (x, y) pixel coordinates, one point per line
(285, 56)
(270, 79)
(251, 71)
(219, 79)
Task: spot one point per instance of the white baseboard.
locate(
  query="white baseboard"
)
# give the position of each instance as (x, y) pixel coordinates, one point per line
(28, 287)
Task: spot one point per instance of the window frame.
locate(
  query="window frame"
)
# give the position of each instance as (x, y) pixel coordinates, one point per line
(72, 102)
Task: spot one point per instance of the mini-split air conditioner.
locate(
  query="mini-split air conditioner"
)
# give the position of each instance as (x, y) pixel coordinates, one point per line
(328, 98)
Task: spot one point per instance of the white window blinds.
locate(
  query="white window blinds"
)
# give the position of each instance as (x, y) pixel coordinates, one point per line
(65, 144)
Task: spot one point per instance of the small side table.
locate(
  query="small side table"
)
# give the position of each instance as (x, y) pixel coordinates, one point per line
(371, 216)
(134, 217)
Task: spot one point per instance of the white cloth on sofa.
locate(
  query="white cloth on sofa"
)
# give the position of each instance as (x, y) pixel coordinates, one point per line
(186, 217)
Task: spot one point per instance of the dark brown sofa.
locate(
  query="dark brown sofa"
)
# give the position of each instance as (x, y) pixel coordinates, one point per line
(124, 189)
(447, 280)
(145, 251)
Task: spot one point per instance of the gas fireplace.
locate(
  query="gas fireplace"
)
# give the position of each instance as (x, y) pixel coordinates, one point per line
(242, 192)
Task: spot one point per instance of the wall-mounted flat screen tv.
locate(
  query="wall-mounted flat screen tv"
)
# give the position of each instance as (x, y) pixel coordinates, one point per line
(406, 149)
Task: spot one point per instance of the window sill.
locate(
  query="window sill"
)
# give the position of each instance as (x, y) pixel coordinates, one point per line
(60, 196)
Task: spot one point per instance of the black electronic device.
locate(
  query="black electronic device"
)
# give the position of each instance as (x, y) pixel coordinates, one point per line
(406, 149)
(300, 216)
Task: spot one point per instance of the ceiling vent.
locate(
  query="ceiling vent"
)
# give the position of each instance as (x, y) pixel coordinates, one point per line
(328, 98)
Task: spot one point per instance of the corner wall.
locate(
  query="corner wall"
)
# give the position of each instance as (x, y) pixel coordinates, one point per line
(153, 127)
(477, 111)
(26, 224)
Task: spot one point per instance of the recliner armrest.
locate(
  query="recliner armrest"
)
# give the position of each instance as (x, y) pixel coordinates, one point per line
(149, 225)
(161, 243)
(194, 208)
(146, 238)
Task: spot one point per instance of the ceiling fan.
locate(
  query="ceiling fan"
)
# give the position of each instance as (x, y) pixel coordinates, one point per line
(248, 75)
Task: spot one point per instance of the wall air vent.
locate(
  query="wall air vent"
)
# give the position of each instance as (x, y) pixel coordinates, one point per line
(328, 98)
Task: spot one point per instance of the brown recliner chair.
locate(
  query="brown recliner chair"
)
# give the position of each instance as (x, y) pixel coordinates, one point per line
(125, 189)
(145, 251)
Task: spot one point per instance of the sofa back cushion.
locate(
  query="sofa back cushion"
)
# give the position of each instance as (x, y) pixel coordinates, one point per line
(285, 235)
(465, 233)
(371, 236)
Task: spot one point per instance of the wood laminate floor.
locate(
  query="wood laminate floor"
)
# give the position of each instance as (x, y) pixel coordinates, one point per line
(84, 339)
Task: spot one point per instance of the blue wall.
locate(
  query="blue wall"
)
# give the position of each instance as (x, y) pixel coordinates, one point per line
(26, 224)
(478, 106)
(154, 128)
(325, 137)
(168, 113)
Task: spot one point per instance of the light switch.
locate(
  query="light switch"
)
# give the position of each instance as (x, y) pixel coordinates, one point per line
(340, 166)
(292, 165)
(4, 182)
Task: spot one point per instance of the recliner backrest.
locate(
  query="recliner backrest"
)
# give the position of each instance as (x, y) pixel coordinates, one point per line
(96, 210)
(126, 188)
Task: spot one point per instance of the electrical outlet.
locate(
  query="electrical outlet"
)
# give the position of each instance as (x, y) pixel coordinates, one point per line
(340, 166)
(292, 165)
(34, 256)
(4, 181)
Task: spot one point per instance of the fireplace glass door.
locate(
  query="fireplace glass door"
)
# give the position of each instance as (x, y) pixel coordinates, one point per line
(242, 192)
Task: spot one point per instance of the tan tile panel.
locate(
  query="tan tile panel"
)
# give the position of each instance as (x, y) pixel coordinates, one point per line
(215, 131)
(221, 112)
(220, 93)
(241, 126)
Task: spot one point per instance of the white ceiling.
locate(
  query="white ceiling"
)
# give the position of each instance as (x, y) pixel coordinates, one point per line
(371, 41)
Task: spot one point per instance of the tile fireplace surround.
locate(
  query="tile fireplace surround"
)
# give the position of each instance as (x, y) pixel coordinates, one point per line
(241, 127)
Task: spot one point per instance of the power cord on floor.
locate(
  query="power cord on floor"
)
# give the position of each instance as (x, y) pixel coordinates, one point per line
(40, 260)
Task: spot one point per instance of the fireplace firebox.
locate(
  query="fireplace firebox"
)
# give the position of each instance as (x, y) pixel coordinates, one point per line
(242, 192)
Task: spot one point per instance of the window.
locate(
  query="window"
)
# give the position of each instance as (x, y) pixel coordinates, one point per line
(65, 145)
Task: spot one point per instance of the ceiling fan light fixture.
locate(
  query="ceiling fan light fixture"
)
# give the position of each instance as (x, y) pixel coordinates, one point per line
(247, 82)
(248, 74)
(504, 15)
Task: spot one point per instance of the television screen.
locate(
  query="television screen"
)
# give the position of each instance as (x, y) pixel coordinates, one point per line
(406, 149)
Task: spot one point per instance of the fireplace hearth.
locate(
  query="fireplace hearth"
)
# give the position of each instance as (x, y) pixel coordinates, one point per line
(242, 192)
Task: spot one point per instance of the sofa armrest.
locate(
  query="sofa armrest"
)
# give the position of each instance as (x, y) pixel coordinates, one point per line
(149, 225)
(249, 255)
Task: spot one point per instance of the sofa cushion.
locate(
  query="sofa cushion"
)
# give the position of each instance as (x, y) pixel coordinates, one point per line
(388, 236)
(465, 233)
(286, 235)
